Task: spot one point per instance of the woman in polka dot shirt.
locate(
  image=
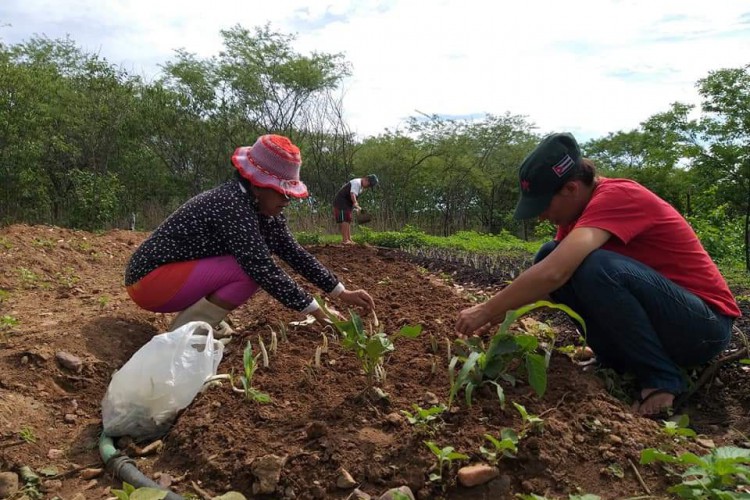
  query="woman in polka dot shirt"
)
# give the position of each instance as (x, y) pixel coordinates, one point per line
(214, 252)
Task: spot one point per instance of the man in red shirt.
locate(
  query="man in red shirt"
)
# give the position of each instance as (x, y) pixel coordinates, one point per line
(628, 263)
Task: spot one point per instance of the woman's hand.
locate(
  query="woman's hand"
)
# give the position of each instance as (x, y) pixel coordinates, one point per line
(359, 298)
(472, 319)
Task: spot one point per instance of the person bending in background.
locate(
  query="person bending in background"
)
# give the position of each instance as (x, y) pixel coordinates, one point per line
(628, 263)
(346, 201)
(213, 253)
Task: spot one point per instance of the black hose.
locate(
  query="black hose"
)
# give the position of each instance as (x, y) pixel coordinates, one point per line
(124, 468)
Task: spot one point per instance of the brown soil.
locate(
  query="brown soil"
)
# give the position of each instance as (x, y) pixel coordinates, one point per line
(64, 288)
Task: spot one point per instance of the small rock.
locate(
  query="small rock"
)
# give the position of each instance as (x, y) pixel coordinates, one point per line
(394, 418)
(431, 399)
(268, 471)
(24, 360)
(474, 475)
(232, 495)
(70, 418)
(55, 454)
(404, 490)
(580, 438)
(317, 491)
(358, 494)
(317, 429)
(345, 480)
(79, 496)
(705, 442)
(614, 439)
(51, 485)
(499, 488)
(165, 481)
(87, 474)
(289, 492)
(8, 484)
(69, 361)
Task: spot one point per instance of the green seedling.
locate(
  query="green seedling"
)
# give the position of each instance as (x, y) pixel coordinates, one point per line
(679, 428)
(28, 277)
(27, 434)
(422, 418)
(369, 345)
(5, 244)
(129, 492)
(7, 321)
(102, 300)
(506, 353)
(717, 475)
(445, 456)
(530, 422)
(250, 365)
(506, 446)
(4, 295)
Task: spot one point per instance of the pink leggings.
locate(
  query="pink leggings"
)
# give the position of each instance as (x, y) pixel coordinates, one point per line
(176, 286)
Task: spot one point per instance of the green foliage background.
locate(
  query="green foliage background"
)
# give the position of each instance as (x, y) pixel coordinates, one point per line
(84, 144)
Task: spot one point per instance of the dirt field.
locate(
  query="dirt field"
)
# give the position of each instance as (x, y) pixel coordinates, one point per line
(61, 290)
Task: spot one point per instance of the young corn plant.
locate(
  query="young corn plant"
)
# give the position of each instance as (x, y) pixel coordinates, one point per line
(445, 456)
(721, 474)
(506, 354)
(250, 365)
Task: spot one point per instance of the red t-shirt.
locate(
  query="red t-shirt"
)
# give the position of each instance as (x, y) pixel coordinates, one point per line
(649, 230)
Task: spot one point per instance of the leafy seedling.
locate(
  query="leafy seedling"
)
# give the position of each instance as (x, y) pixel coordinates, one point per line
(530, 422)
(129, 492)
(424, 419)
(506, 446)
(506, 353)
(445, 456)
(716, 475)
(369, 345)
(679, 428)
(27, 434)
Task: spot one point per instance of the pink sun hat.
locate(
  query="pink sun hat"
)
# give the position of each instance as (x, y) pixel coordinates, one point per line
(272, 162)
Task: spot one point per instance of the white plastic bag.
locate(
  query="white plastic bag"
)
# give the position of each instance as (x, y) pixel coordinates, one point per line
(159, 380)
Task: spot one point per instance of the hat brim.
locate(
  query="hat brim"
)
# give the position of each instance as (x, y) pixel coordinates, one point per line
(529, 207)
(248, 170)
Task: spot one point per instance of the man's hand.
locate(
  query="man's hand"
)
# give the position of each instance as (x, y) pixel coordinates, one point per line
(472, 319)
(359, 298)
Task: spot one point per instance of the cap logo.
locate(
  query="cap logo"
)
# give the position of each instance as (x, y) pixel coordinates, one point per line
(525, 185)
(563, 165)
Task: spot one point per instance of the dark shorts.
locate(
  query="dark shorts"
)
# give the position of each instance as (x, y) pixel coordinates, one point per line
(342, 215)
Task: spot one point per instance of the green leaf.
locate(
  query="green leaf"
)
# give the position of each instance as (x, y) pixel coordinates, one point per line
(537, 368)
(148, 494)
(410, 331)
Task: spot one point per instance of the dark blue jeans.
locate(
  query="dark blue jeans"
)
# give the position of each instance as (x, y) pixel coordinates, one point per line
(639, 321)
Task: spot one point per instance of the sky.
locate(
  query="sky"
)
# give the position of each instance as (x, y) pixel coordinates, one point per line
(590, 68)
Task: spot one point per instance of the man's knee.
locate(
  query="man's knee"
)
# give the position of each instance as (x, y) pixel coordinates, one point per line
(544, 251)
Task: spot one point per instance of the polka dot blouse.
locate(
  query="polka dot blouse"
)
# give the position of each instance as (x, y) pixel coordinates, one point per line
(226, 221)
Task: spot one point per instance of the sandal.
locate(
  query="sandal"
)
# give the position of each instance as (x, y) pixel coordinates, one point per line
(663, 413)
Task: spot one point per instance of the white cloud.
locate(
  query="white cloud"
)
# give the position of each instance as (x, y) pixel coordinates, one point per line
(591, 67)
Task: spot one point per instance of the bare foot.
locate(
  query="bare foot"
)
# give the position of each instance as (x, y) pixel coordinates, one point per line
(583, 353)
(348, 242)
(654, 401)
